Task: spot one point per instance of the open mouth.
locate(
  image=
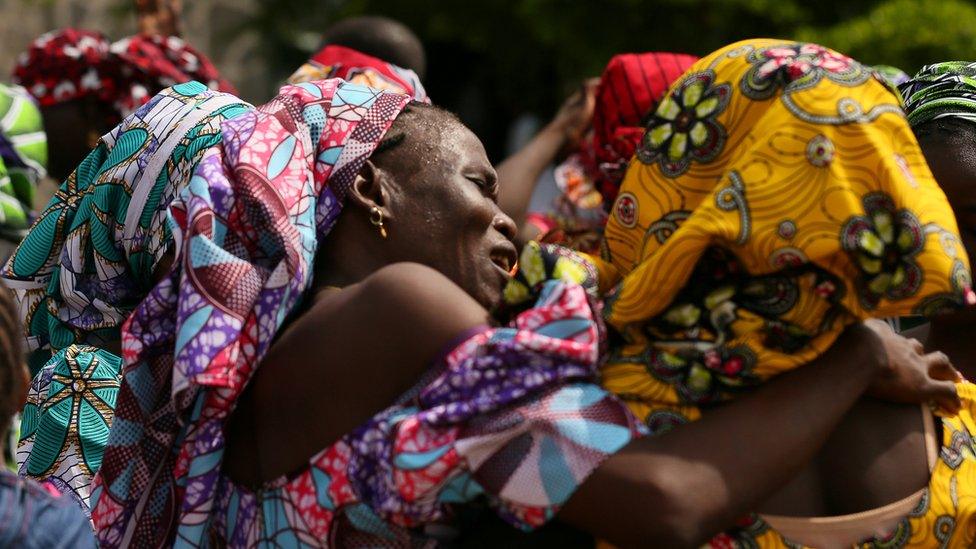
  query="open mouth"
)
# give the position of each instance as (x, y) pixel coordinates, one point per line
(502, 261)
(504, 257)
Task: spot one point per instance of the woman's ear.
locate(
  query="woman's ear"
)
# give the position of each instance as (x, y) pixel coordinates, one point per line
(369, 189)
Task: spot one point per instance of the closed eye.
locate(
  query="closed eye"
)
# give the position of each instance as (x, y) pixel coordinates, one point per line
(491, 189)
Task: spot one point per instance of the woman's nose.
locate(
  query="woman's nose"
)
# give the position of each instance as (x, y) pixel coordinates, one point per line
(505, 225)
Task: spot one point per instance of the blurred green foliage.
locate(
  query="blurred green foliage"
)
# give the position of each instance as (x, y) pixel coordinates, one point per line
(494, 59)
(905, 33)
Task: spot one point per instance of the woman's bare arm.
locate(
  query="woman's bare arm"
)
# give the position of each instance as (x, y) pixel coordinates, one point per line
(681, 488)
(349, 356)
(354, 352)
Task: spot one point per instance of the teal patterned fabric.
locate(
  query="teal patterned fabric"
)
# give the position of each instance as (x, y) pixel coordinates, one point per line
(87, 261)
(89, 258)
(67, 417)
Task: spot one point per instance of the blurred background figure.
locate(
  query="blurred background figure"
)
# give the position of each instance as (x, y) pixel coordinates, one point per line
(940, 101)
(497, 62)
(23, 163)
(372, 51)
(599, 128)
(32, 514)
(380, 37)
(85, 85)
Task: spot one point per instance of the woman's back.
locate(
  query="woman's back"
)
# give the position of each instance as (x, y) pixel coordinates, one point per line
(876, 456)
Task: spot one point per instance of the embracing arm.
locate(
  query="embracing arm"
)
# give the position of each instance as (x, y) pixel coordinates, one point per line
(681, 488)
(351, 354)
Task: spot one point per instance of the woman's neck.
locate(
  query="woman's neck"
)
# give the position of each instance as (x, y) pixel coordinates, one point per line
(348, 256)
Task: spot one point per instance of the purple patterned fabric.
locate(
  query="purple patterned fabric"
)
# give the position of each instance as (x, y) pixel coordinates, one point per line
(246, 227)
(512, 415)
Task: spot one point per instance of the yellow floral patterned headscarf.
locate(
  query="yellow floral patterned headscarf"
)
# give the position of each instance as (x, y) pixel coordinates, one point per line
(777, 196)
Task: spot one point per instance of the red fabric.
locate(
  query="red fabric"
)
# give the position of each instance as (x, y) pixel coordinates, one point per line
(63, 65)
(357, 67)
(158, 62)
(71, 63)
(630, 89)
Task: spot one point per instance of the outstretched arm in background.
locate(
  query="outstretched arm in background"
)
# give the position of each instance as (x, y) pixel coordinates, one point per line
(517, 174)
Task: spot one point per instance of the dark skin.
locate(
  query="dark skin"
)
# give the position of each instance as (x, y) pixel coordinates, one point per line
(950, 154)
(73, 129)
(874, 457)
(381, 37)
(861, 466)
(437, 276)
(159, 17)
(455, 233)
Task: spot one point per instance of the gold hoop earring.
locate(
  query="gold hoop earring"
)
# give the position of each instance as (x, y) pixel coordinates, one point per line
(376, 218)
(93, 138)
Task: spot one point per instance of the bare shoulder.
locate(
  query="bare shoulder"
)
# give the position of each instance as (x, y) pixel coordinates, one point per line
(422, 294)
(412, 309)
(349, 355)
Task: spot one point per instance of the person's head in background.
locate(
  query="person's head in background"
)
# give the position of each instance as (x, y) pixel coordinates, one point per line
(382, 38)
(14, 378)
(369, 50)
(940, 101)
(86, 85)
(601, 125)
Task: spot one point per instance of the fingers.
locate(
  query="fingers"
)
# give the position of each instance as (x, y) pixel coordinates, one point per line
(576, 98)
(917, 345)
(944, 395)
(585, 94)
(590, 99)
(942, 385)
(879, 326)
(941, 368)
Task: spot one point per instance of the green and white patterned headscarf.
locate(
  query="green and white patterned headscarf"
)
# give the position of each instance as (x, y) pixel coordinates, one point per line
(941, 90)
(892, 75)
(23, 160)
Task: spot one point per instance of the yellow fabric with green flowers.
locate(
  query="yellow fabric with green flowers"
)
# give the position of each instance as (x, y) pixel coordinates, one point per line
(777, 196)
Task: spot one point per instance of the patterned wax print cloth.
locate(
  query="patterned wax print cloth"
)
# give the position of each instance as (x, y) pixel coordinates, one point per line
(941, 90)
(359, 68)
(246, 228)
(630, 88)
(68, 64)
(777, 196)
(23, 160)
(87, 261)
(248, 225)
(513, 416)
